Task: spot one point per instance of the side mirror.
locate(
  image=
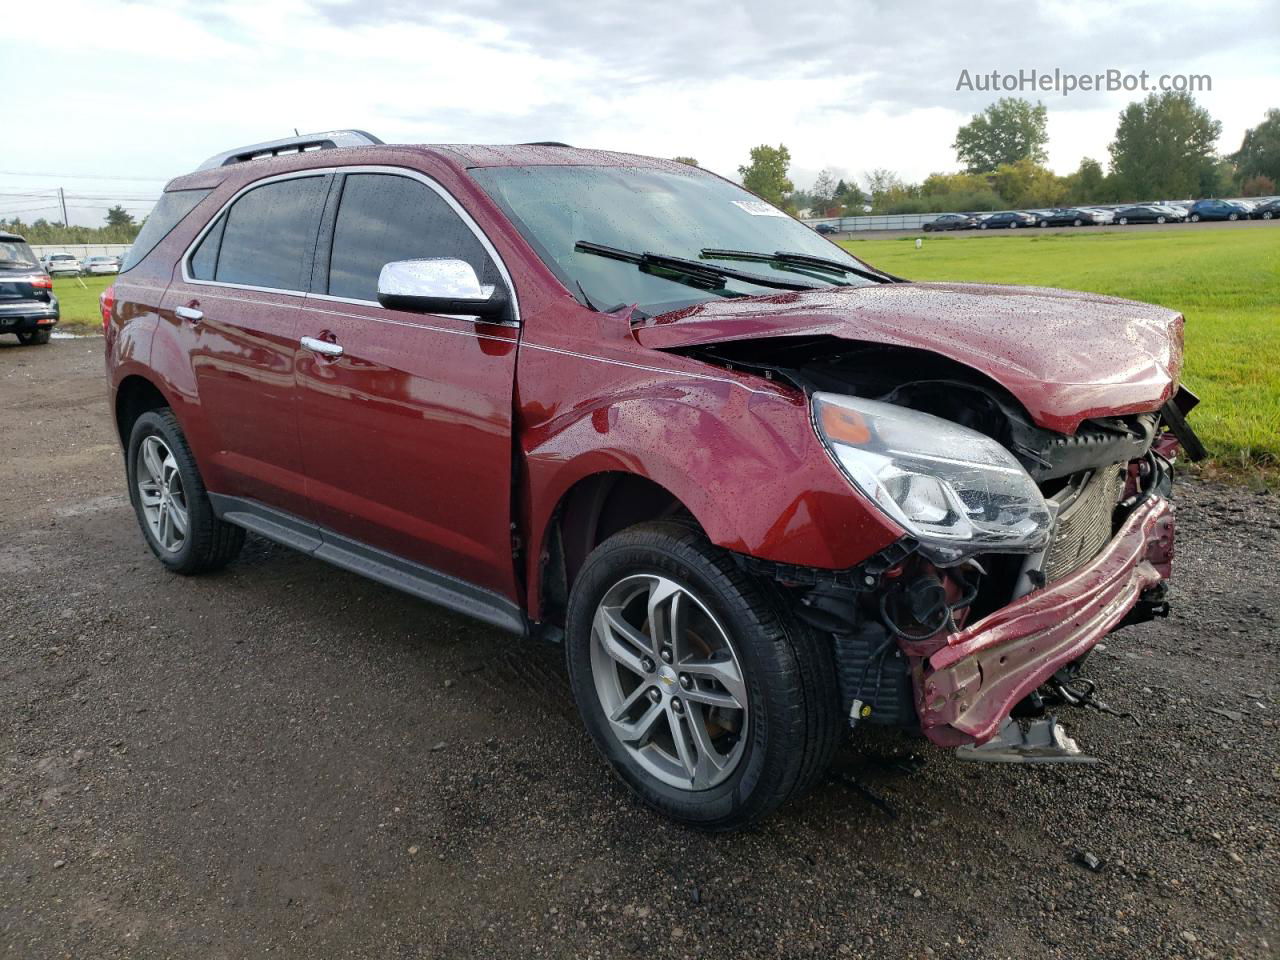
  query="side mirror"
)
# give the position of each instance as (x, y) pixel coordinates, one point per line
(442, 285)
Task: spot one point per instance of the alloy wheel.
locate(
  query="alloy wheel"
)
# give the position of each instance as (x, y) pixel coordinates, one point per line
(669, 681)
(160, 492)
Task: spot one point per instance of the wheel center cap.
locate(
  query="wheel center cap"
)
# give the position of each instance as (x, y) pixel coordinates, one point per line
(667, 676)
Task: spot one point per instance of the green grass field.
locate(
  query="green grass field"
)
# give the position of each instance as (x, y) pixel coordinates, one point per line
(78, 298)
(1225, 281)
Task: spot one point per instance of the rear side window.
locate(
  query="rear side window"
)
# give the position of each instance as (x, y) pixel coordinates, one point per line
(383, 218)
(164, 216)
(266, 239)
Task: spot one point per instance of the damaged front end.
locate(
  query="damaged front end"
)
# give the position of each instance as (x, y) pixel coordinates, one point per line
(1023, 547)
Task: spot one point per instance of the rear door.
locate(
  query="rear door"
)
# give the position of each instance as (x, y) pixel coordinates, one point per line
(236, 309)
(407, 435)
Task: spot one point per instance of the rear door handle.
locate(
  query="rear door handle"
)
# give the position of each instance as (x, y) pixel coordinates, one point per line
(190, 313)
(323, 347)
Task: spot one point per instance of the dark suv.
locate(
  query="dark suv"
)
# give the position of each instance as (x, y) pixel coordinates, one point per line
(27, 304)
(762, 491)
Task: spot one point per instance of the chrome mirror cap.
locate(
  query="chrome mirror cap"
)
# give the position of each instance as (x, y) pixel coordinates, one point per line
(440, 285)
(450, 279)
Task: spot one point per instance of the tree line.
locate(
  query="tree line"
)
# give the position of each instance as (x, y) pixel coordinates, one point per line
(120, 227)
(1163, 149)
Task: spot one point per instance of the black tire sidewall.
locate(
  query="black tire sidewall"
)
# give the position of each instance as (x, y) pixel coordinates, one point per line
(748, 791)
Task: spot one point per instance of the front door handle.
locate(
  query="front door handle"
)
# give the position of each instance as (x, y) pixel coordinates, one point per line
(190, 314)
(323, 347)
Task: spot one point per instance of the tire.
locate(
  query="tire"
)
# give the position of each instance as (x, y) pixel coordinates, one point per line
(1267, 215)
(207, 543)
(1233, 216)
(780, 667)
(1159, 219)
(1195, 218)
(1077, 223)
(1123, 221)
(29, 338)
(982, 226)
(1013, 225)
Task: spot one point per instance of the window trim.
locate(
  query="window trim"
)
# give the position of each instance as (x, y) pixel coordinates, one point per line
(324, 232)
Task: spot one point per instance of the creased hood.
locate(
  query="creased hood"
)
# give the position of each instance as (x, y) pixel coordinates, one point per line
(1066, 356)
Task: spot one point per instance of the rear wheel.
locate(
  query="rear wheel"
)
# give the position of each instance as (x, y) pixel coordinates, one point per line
(170, 501)
(32, 337)
(709, 700)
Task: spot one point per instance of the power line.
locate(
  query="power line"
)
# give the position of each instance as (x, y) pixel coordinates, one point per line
(81, 176)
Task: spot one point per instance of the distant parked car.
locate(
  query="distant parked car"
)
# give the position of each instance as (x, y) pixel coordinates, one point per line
(1101, 216)
(1008, 219)
(1268, 211)
(56, 263)
(1174, 213)
(1217, 210)
(1144, 213)
(1067, 217)
(99, 265)
(28, 307)
(951, 221)
(826, 229)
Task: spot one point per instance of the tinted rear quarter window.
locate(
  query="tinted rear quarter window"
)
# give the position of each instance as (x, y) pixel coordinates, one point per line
(383, 218)
(165, 215)
(269, 235)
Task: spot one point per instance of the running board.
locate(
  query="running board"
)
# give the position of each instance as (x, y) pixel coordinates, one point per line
(1043, 741)
(376, 564)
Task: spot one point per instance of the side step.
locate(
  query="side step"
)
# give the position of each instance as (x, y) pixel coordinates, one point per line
(1043, 741)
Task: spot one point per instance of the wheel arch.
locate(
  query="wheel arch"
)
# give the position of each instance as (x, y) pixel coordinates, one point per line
(593, 508)
(134, 396)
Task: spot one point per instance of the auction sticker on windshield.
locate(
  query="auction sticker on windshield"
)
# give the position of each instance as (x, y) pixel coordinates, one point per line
(758, 208)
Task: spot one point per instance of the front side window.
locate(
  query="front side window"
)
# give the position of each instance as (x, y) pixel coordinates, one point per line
(649, 210)
(164, 216)
(267, 238)
(383, 218)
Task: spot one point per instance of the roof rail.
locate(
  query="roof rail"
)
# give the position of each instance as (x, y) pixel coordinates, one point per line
(306, 141)
(545, 143)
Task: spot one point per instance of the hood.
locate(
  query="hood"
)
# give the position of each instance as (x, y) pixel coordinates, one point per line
(1066, 356)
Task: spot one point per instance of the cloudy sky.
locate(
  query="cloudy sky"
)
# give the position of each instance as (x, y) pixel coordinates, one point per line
(132, 92)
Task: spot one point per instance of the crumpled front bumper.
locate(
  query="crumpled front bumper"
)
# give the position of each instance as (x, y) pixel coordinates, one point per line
(965, 689)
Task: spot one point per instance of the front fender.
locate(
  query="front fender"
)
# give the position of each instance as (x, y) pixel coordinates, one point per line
(738, 452)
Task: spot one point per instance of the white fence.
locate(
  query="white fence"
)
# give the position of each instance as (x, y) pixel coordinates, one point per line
(82, 250)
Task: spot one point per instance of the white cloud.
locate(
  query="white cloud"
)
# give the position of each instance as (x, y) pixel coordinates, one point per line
(150, 89)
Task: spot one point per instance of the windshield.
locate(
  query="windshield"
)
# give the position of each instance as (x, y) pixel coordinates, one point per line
(16, 255)
(646, 210)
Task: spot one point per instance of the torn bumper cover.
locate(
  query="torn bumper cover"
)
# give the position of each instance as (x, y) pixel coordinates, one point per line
(966, 689)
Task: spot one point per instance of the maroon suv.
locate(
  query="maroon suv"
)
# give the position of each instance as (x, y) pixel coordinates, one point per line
(763, 491)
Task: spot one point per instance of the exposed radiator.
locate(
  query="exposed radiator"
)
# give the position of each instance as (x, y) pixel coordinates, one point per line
(1084, 521)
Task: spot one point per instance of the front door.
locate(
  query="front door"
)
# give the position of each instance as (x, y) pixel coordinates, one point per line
(407, 431)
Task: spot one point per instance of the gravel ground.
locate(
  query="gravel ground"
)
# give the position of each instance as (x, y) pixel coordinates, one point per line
(286, 759)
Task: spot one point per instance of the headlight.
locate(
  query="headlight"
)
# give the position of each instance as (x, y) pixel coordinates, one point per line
(955, 490)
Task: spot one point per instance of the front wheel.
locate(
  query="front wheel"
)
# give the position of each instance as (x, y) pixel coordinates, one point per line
(1268, 215)
(1159, 219)
(1195, 218)
(709, 700)
(1233, 216)
(1077, 223)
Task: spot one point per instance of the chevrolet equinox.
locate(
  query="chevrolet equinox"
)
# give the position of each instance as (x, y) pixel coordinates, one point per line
(762, 491)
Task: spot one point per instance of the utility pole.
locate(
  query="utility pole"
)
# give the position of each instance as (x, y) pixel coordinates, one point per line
(62, 199)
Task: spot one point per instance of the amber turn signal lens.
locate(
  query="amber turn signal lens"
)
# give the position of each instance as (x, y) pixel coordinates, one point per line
(842, 425)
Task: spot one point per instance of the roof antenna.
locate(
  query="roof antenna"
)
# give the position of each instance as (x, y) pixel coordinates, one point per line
(296, 133)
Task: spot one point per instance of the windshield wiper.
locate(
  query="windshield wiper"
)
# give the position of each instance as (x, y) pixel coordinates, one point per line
(802, 260)
(703, 274)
